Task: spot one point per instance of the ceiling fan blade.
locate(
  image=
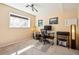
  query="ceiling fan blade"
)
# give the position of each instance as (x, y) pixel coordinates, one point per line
(32, 9)
(27, 5)
(35, 9)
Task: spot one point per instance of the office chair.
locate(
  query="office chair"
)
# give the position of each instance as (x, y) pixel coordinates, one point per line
(44, 36)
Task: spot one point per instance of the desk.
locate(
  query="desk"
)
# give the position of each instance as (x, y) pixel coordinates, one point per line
(44, 37)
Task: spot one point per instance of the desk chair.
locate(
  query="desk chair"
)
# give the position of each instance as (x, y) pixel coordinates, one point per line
(44, 36)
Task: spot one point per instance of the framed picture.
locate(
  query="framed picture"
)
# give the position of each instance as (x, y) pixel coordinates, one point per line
(53, 20)
(40, 23)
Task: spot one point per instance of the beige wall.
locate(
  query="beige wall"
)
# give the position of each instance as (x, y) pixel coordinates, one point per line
(78, 28)
(64, 11)
(69, 10)
(9, 35)
(77, 38)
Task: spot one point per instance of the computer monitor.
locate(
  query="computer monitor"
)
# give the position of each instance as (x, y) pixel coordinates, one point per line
(47, 27)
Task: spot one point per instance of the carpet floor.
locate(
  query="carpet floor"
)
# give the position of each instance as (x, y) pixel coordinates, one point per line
(34, 47)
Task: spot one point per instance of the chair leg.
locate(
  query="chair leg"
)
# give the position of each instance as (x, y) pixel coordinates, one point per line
(53, 43)
(44, 42)
(57, 42)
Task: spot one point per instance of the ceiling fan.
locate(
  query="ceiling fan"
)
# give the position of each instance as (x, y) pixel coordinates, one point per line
(32, 7)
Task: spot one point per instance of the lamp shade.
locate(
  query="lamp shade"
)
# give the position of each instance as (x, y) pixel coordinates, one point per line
(73, 36)
(73, 32)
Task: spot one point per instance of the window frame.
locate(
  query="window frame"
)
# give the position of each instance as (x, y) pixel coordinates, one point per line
(19, 16)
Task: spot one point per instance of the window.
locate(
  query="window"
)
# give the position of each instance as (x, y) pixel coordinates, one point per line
(17, 21)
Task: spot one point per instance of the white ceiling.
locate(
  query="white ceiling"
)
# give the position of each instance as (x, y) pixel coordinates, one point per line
(41, 7)
(44, 7)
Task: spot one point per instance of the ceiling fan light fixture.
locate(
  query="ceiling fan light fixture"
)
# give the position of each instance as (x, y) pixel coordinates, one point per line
(32, 7)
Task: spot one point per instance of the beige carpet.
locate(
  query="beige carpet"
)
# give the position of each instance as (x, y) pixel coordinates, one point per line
(47, 49)
(34, 47)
